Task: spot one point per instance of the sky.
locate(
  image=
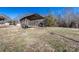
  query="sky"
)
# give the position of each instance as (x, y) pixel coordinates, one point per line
(13, 12)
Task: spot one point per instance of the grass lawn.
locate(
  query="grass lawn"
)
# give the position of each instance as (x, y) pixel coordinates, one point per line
(46, 39)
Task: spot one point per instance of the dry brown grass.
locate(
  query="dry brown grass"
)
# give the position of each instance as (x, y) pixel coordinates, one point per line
(38, 39)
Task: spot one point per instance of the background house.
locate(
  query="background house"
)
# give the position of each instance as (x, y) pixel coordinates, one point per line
(33, 20)
(4, 21)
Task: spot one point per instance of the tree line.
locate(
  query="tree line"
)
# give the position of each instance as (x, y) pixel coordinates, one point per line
(69, 20)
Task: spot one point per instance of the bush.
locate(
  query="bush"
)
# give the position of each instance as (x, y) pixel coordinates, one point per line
(50, 21)
(12, 22)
